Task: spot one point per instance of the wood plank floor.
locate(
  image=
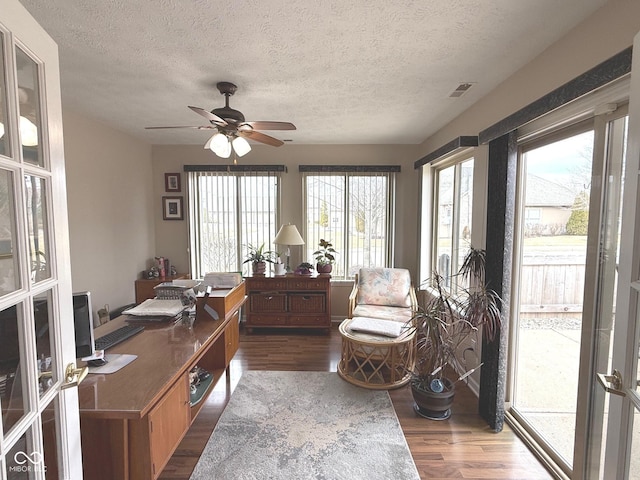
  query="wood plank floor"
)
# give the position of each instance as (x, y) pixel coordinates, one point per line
(461, 447)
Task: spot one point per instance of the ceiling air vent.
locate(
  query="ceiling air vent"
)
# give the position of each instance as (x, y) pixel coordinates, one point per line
(460, 90)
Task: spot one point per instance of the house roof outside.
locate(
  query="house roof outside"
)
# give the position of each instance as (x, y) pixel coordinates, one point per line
(542, 192)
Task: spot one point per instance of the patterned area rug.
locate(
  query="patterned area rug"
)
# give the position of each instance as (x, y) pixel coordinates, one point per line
(305, 425)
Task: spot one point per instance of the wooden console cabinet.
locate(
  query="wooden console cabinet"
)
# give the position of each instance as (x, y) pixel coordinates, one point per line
(291, 301)
(132, 420)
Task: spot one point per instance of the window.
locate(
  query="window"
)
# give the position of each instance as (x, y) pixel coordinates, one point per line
(453, 190)
(352, 207)
(230, 208)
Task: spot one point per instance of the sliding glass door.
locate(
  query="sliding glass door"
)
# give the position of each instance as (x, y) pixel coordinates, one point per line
(554, 194)
(568, 236)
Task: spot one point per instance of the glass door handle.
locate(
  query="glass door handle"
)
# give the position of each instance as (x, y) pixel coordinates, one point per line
(612, 383)
(72, 373)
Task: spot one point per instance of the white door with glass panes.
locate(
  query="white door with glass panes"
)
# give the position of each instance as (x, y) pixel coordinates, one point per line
(40, 427)
(614, 434)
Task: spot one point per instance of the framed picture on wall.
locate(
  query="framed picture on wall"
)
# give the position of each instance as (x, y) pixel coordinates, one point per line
(172, 182)
(172, 208)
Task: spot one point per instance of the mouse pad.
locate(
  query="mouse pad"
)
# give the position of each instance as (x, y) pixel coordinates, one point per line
(115, 361)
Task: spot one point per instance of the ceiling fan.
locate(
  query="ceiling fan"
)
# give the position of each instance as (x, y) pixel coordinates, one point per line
(232, 128)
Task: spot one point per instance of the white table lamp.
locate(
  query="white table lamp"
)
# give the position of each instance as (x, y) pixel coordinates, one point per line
(288, 235)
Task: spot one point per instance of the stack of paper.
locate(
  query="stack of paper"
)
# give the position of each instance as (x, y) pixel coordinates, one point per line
(156, 309)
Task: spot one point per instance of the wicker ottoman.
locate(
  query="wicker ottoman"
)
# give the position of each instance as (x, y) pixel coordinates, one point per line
(375, 361)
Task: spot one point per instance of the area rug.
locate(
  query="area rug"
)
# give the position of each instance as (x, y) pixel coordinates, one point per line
(305, 425)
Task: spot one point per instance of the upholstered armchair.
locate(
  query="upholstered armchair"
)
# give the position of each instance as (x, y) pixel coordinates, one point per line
(383, 293)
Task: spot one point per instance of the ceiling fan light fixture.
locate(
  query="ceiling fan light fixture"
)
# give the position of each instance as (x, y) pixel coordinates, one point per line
(28, 132)
(207, 146)
(219, 142)
(241, 146)
(223, 152)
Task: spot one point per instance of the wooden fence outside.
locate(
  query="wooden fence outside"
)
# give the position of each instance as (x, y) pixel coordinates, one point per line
(552, 287)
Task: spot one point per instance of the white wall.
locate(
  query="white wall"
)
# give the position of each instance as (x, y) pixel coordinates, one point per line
(110, 202)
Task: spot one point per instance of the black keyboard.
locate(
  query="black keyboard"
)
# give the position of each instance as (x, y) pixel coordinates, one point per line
(120, 335)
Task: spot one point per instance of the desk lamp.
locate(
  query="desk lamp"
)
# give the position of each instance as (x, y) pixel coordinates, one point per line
(288, 235)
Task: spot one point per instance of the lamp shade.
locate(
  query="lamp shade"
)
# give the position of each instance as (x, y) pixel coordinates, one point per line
(219, 144)
(28, 132)
(288, 235)
(241, 146)
(219, 141)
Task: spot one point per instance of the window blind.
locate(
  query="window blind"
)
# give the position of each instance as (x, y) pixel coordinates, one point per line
(231, 208)
(353, 208)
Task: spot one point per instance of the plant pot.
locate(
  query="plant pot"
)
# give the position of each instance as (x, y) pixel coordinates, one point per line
(259, 268)
(432, 405)
(324, 268)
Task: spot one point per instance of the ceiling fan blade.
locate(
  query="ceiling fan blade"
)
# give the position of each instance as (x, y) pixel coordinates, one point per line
(267, 125)
(260, 137)
(199, 127)
(209, 116)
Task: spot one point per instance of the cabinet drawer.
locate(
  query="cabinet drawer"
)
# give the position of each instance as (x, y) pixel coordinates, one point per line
(306, 284)
(266, 284)
(307, 303)
(310, 321)
(268, 302)
(267, 320)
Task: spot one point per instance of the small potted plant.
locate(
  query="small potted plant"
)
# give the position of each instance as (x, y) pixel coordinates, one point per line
(325, 256)
(278, 266)
(444, 327)
(304, 268)
(259, 257)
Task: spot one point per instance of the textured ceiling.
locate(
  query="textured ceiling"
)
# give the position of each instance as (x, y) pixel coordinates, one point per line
(351, 72)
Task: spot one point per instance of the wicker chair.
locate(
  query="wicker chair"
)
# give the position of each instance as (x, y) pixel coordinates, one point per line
(378, 347)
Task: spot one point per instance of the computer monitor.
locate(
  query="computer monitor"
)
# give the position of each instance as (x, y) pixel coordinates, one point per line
(83, 324)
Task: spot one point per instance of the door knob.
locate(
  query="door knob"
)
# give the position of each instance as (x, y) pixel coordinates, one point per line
(72, 373)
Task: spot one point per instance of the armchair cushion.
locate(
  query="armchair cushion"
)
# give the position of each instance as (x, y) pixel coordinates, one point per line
(384, 286)
(397, 314)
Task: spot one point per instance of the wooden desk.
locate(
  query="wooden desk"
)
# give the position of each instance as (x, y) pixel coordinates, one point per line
(133, 420)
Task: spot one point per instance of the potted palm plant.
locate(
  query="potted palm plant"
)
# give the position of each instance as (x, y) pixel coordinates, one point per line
(259, 257)
(325, 256)
(444, 327)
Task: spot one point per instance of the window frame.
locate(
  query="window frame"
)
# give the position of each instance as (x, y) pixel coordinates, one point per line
(348, 172)
(237, 172)
(436, 168)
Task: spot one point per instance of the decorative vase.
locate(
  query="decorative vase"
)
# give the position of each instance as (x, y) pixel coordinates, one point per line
(324, 267)
(258, 268)
(432, 405)
(279, 269)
